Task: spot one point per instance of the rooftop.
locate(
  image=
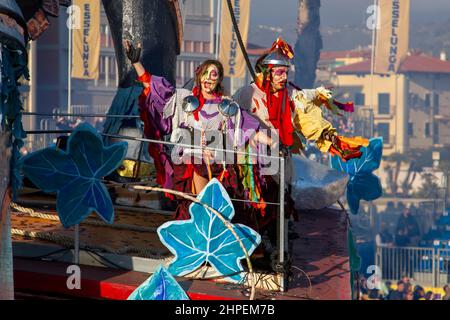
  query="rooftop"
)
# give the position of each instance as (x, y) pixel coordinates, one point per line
(416, 62)
(255, 50)
(332, 55)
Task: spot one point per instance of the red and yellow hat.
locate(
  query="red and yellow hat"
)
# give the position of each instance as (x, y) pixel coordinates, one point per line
(280, 54)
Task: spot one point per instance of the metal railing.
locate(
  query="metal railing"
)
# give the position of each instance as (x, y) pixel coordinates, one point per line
(427, 266)
(47, 129)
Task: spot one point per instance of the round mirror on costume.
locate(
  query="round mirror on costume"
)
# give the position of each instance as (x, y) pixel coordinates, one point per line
(190, 104)
(228, 108)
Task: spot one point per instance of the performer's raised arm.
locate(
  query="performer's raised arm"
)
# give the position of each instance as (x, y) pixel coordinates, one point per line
(157, 89)
(134, 55)
(153, 101)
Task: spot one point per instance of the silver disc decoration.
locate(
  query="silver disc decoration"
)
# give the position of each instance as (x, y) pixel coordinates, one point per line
(228, 108)
(190, 104)
(315, 186)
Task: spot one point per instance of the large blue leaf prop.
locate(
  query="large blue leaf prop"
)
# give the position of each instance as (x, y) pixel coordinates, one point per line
(160, 286)
(363, 184)
(75, 175)
(205, 239)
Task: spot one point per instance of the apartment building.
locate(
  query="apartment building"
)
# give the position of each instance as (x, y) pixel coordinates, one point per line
(411, 108)
(198, 38)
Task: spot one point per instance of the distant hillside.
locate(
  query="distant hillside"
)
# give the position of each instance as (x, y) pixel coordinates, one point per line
(429, 37)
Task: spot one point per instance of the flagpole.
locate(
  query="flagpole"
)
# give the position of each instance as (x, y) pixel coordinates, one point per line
(372, 64)
(372, 71)
(69, 66)
(218, 26)
(76, 247)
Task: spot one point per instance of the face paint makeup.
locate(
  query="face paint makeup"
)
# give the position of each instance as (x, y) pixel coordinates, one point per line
(280, 72)
(209, 79)
(279, 78)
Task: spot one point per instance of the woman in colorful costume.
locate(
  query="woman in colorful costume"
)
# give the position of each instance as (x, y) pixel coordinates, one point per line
(192, 118)
(293, 114)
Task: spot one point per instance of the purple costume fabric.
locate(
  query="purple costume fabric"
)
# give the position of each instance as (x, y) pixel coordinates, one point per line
(160, 94)
(156, 126)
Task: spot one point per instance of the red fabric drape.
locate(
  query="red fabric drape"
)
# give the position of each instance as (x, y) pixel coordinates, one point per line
(198, 93)
(280, 119)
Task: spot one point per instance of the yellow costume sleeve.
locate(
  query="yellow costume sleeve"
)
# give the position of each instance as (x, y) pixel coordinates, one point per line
(309, 121)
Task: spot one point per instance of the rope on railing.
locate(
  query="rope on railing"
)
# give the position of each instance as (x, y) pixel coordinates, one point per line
(36, 214)
(67, 242)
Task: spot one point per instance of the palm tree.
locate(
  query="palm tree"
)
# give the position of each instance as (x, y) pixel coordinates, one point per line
(393, 171)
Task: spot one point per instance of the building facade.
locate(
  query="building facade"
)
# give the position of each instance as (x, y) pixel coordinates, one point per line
(48, 91)
(198, 38)
(411, 108)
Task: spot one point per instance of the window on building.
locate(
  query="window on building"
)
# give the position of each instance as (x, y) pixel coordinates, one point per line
(427, 102)
(187, 70)
(198, 7)
(102, 65)
(112, 67)
(436, 103)
(188, 46)
(360, 99)
(427, 131)
(198, 47)
(413, 100)
(384, 131)
(410, 129)
(436, 133)
(207, 47)
(384, 103)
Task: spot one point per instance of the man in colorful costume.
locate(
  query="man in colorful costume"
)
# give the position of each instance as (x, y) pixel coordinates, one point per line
(192, 118)
(293, 114)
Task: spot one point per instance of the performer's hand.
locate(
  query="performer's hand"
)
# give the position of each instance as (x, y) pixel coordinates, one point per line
(334, 139)
(326, 93)
(133, 54)
(254, 141)
(261, 137)
(208, 155)
(331, 136)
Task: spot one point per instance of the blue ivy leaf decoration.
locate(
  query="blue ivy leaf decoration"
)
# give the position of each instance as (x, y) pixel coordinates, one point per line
(75, 175)
(205, 239)
(160, 286)
(363, 184)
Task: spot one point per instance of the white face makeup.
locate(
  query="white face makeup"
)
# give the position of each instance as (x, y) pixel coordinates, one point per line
(209, 79)
(279, 78)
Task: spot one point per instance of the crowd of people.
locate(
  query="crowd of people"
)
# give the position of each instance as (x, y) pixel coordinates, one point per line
(407, 232)
(404, 290)
(344, 125)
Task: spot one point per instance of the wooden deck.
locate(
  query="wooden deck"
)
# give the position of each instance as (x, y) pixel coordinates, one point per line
(320, 252)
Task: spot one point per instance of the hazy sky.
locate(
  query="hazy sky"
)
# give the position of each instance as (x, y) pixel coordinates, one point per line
(341, 12)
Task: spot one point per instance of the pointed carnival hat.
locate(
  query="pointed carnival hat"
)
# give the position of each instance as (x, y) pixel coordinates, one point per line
(280, 54)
